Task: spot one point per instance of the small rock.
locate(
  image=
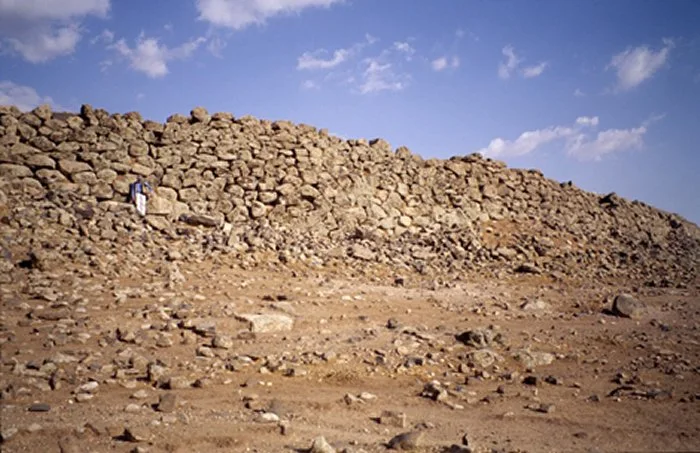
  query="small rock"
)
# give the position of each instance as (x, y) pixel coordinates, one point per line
(393, 418)
(320, 445)
(434, 391)
(132, 408)
(268, 323)
(89, 387)
(136, 434)
(7, 433)
(406, 441)
(178, 382)
(392, 323)
(83, 397)
(140, 395)
(626, 306)
(222, 342)
(39, 407)
(167, 402)
(269, 417)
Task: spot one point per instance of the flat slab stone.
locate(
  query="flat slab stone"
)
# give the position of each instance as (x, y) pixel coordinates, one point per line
(267, 323)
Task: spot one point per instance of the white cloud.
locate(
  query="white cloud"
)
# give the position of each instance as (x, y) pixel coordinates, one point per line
(461, 33)
(41, 30)
(384, 71)
(151, 57)
(319, 59)
(535, 71)
(607, 142)
(406, 49)
(239, 14)
(587, 121)
(579, 143)
(442, 63)
(315, 60)
(34, 10)
(380, 76)
(107, 37)
(526, 143)
(512, 63)
(216, 46)
(23, 97)
(506, 68)
(634, 66)
(578, 93)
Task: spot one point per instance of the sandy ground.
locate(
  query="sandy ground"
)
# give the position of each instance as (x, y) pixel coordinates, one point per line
(358, 348)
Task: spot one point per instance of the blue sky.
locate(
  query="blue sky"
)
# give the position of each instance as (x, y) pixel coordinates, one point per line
(603, 93)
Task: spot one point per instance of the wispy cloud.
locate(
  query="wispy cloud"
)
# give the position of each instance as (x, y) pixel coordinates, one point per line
(444, 62)
(635, 65)
(24, 97)
(535, 71)
(512, 63)
(151, 57)
(578, 93)
(580, 142)
(106, 37)
(506, 68)
(239, 14)
(40, 31)
(356, 68)
(322, 59)
(381, 76)
(316, 60)
(406, 49)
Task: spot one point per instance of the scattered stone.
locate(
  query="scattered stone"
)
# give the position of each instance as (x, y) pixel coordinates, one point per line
(320, 445)
(39, 407)
(434, 391)
(480, 338)
(6, 433)
(533, 359)
(222, 342)
(136, 434)
(268, 417)
(167, 403)
(140, 394)
(627, 306)
(407, 441)
(178, 382)
(393, 418)
(268, 323)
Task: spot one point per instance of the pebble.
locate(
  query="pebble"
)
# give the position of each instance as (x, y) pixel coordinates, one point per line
(627, 306)
(132, 408)
(407, 441)
(222, 342)
(393, 418)
(136, 434)
(167, 402)
(140, 394)
(39, 407)
(320, 445)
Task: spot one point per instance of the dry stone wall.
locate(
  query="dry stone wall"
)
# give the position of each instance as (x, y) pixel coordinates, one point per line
(299, 191)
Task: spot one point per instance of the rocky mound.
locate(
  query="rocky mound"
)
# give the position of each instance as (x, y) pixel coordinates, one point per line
(292, 193)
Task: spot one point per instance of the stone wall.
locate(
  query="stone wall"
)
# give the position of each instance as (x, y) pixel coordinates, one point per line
(373, 202)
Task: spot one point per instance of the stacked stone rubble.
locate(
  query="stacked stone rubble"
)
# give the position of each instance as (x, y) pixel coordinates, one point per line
(296, 190)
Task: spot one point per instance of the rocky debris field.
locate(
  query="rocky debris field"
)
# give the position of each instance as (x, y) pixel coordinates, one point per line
(264, 186)
(227, 359)
(292, 291)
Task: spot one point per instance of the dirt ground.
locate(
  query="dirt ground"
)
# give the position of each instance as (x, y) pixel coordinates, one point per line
(86, 361)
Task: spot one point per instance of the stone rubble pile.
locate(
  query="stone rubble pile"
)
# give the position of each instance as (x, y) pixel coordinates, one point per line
(244, 186)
